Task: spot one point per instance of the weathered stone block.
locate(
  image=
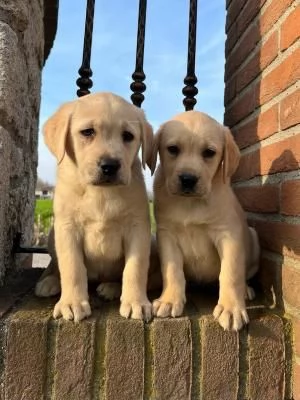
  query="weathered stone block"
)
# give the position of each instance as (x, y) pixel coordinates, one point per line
(26, 358)
(220, 362)
(172, 354)
(5, 152)
(266, 359)
(15, 13)
(124, 362)
(74, 359)
(21, 59)
(13, 81)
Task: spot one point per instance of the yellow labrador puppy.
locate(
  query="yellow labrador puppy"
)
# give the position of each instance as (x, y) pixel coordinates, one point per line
(202, 231)
(101, 208)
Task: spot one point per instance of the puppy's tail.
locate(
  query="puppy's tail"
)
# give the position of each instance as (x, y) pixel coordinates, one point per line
(254, 254)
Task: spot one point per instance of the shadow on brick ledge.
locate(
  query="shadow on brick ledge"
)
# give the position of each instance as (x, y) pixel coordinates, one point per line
(108, 357)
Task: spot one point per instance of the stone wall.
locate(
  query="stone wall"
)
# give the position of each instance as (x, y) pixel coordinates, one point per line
(109, 357)
(21, 61)
(262, 101)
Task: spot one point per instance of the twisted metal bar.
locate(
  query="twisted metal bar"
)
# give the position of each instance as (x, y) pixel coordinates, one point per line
(84, 82)
(190, 90)
(138, 86)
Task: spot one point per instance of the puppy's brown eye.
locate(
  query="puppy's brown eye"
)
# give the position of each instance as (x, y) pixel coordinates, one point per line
(87, 132)
(173, 150)
(208, 153)
(127, 136)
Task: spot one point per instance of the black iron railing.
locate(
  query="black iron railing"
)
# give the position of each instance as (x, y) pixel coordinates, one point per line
(138, 87)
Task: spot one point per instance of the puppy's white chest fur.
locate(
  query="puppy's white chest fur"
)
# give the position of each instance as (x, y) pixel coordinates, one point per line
(201, 260)
(103, 237)
(189, 223)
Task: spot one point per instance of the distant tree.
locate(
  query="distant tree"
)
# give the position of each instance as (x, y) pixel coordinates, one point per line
(43, 185)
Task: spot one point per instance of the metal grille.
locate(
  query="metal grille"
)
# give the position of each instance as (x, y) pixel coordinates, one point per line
(138, 87)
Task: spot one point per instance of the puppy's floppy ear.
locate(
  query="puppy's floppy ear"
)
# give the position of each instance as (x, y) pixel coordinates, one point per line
(56, 130)
(147, 143)
(231, 156)
(155, 148)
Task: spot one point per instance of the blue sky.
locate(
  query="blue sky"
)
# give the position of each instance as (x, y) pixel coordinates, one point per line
(113, 59)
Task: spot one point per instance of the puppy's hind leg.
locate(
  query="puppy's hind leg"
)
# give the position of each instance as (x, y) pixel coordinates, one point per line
(109, 290)
(254, 263)
(49, 283)
(249, 293)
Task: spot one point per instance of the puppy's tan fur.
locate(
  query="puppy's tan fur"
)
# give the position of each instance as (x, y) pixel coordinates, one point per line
(102, 229)
(202, 235)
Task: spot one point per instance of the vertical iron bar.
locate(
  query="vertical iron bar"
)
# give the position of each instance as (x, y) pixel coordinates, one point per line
(190, 90)
(138, 86)
(84, 82)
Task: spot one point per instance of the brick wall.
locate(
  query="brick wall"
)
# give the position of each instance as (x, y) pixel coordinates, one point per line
(262, 107)
(21, 61)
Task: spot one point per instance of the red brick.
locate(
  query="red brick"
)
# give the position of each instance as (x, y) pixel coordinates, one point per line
(269, 50)
(242, 50)
(291, 285)
(280, 237)
(296, 386)
(290, 110)
(266, 359)
(290, 31)
(290, 197)
(228, 3)
(246, 134)
(249, 166)
(247, 15)
(244, 106)
(219, 358)
(270, 280)
(272, 13)
(281, 156)
(259, 198)
(230, 91)
(249, 72)
(296, 329)
(280, 78)
(233, 12)
(262, 58)
(261, 127)
(231, 39)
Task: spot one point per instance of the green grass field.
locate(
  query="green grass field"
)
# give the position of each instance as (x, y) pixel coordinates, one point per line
(44, 212)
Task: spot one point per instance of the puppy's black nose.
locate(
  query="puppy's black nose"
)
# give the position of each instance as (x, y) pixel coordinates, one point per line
(188, 182)
(109, 166)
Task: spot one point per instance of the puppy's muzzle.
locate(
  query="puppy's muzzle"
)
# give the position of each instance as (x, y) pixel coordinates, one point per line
(109, 168)
(187, 183)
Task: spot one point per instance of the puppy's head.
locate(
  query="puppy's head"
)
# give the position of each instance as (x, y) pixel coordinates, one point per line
(195, 152)
(101, 134)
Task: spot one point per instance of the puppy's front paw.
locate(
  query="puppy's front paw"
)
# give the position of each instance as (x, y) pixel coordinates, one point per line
(231, 316)
(109, 290)
(47, 286)
(167, 307)
(136, 309)
(72, 309)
